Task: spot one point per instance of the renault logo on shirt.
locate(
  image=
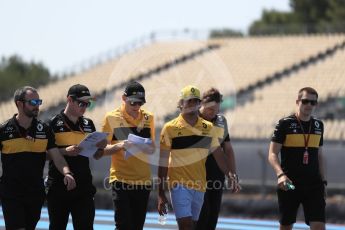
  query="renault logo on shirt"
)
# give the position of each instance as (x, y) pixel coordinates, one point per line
(293, 125)
(39, 127)
(59, 123)
(9, 129)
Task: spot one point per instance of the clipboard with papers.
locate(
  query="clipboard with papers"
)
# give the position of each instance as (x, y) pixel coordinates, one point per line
(136, 140)
(88, 144)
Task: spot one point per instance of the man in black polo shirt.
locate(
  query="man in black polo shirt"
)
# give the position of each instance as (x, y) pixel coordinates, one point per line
(70, 127)
(299, 139)
(24, 141)
(210, 105)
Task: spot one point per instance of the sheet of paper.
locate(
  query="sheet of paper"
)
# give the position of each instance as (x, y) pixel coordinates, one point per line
(137, 140)
(88, 144)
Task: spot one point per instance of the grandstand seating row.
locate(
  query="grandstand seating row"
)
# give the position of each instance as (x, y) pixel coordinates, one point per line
(278, 99)
(251, 59)
(237, 64)
(109, 74)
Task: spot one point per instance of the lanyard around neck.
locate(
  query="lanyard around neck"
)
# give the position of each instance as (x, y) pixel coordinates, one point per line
(305, 136)
(69, 127)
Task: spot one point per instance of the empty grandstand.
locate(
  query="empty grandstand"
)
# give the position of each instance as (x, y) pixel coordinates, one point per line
(259, 77)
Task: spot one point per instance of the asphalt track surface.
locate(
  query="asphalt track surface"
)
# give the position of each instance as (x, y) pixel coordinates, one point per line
(105, 221)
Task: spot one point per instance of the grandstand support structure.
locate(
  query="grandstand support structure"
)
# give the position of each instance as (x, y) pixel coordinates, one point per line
(136, 43)
(101, 97)
(246, 94)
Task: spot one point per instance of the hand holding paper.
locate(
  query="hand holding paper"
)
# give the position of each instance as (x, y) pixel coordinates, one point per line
(72, 150)
(102, 144)
(138, 140)
(136, 144)
(91, 142)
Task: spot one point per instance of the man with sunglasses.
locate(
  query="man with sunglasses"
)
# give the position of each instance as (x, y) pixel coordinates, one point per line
(24, 141)
(70, 127)
(185, 143)
(210, 105)
(130, 174)
(300, 173)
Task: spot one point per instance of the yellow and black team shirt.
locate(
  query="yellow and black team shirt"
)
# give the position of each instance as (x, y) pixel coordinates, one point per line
(189, 147)
(23, 156)
(213, 172)
(289, 133)
(135, 169)
(68, 133)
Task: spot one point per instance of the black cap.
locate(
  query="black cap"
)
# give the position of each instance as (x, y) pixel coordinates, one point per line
(80, 92)
(134, 91)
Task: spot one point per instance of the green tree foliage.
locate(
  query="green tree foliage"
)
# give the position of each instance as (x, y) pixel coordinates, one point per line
(275, 22)
(15, 73)
(225, 33)
(309, 11)
(306, 16)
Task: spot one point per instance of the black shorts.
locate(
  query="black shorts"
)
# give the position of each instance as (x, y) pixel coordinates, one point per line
(22, 212)
(312, 199)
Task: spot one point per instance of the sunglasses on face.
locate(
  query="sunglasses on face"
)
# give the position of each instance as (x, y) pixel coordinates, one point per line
(34, 102)
(307, 101)
(83, 104)
(136, 103)
(193, 100)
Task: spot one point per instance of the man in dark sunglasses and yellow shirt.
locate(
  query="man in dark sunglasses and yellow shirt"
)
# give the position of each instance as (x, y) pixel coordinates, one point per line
(130, 174)
(24, 141)
(70, 127)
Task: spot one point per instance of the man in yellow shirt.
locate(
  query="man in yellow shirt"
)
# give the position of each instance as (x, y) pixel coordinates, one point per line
(185, 143)
(130, 173)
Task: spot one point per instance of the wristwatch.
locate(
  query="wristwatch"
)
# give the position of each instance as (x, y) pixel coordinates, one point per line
(233, 176)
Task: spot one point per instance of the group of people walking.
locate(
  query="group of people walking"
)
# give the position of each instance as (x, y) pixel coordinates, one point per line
(195, 158)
